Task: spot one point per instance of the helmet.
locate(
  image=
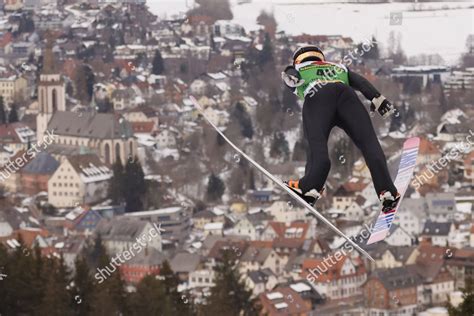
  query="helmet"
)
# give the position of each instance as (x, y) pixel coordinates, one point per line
(307, 53)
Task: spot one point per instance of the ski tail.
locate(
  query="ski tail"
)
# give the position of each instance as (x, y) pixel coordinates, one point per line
(405, 172)
(282, 185)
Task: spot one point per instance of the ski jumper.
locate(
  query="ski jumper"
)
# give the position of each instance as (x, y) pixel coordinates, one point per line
(330, 100)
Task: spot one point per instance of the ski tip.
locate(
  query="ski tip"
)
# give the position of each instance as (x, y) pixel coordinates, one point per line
(361, 251)
(368, 256)
(412, 142)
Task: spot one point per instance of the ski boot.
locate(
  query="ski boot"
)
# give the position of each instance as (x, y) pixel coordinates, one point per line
(388, 201)
(310, 197)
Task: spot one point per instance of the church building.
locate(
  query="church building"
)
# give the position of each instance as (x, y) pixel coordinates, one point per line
(109, 135)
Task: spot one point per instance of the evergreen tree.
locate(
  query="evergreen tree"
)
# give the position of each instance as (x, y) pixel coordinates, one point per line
(56, 299)
(3, 115)
(408, 114)
(289, 100)
(301, 148)
(183, 68)
(69, 88)
(396, 122)
(215, 188)
(267, 20)
(229, 295)
(112, 41)
(109, 295)
(140, 59)
(175, 302)
(13, 115)
(443, 102)
(90, 81)
(373, 53)
(236, 182)
(241, 178)
(84, 82)
(26, 24)
(244, 119)
(84, 288)
(117, 183)
(265, 56)
(4, 291)
(158, 65)
(395, 49)
(212, 43)
(216, 9)
(220, 140)
(199, 206)
(148, 298)
(80, 83)
(467, 306)
(154, 195)
(94, 254)
(23, 291)
(279, 147)
(105, 106)
(40, 278)
(135, 185)
(251, 180)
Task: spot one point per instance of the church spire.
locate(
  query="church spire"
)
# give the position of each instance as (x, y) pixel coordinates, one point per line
(48, 56)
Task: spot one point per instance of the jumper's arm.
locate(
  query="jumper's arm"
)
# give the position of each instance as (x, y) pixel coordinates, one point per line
(363, 85)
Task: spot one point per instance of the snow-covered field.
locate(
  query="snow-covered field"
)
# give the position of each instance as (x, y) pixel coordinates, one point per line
(422, 32)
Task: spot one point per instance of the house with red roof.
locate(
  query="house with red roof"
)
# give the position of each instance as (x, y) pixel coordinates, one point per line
(144, 119)
(30, 237)
(427, 152)
(5, 39)
(337, 276)
(347, 193)
(260, 255)
(294, 230)
(391, 291)
(461, 265)
(16, 136)
(284, 301)
(146, 262)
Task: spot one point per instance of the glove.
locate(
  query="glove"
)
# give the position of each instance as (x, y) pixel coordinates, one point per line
(382, 106)
(291, 77)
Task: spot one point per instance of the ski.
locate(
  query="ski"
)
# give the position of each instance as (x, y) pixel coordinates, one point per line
(406, 167)
(282, 185)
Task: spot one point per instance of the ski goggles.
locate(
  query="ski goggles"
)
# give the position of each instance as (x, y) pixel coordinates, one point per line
(303, 56)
